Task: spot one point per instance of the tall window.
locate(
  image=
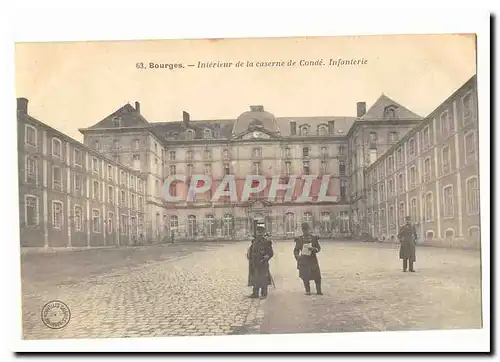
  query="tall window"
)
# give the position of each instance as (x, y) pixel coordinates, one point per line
(110, 194)
(413, 209)
(324, 151)
(30, 135)
(207, 155)
(390, 164)
(341, 150)
(325, 223)
(135, 145)
(401, 213)
(77, 157)
(401, 182)
(413, 176)
(448, 210)
(306, 168)
(444, 121)
(342, 168)
(123, 224)
(399, 155)
(427, 169)
(95, 190)
(393, 137)
(191, 229)
(123, 198)
(210, 227)
(189, 155)
(136, 160)
(426, 139)
(288, 168)
(382, 192)
(57, 214)
(110, 222)
(412, 147)
(472, 195)
(467, 107)
(445, 160)
(305, 152)
(172, 170)
(31, 210)
(141, 204)
(323, 167)
(56, 147)
(391, 215)
(189, 170)
(256, 152)
(77, 218)
(429, 207)
(390, 187)
(470, 146)
(31, 169)
(132, 200)
(96, 221)
(174, 223)
(228, 225)
(289, 223)
(256, 168)
(303, 131)
(57, 178)
(227, 169)
(95, 165)
(172, 155)
(322, 130)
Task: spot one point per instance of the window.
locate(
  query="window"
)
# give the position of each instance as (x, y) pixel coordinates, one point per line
(322, 130)
(123, 198)
(110, 173)
(472, 196)
(56, 147)
(31, 169)
(393, 137)
(95, 190)
(136, 162)
(207, 134)
(228, 228)
(448, 210)
(470, 145)
(426, 139)
(30, 135)
(324, 151)
(429, 207)
(445, 159)
(342, 168)
(412, 147)
(390, 187)
(392, 215)
(382, 192)
(210, 227)
(174, 223)
(111, 216)
(110, 194)
(303, 131)
(343, 189)
(122, 178)
(207, 155)
(256, 168)
(399, 156)
(123, 224)
(444, 122)
(427, 169)
(191, 227)
(383, 217)
(31, 211)
(256, 152)
(373, 138)
(401, 213)
(389, 113)
(413, 209)
(401, 182)
(323, 167)
(156, 149)
(77, 157)
(117, 121)
(467, 107)
(141, 205)
(171, 155)
(207, 169)
(78, 182)
(325, 225)
(57, 214)
(96, 221)
(189, 155)
(341, 150)
(413, 176)
(306, 169)
(77, 218)
(227, 169)
(289, 223)
(305, 152)
(225, 153)
(95, 165)
(116, 145)
(135, 145)
(96, 145)
(172, 170)
(390, 164)
(56, 178)
(189, 170)
(190, 134)
(132, 200)
(288, 168)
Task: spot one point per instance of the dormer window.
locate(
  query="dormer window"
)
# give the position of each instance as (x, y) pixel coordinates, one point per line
(207, 134)
(390, 112)
(190, 134)
(304, 130)
(117, 121)
(322, 130)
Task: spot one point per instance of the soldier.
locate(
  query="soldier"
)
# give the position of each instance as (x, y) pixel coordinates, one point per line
(407, 237)
(258, 255)
(306, 248)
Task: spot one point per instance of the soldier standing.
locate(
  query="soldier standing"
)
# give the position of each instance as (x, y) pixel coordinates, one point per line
(408, 238)
(306, 248)
(258, 255)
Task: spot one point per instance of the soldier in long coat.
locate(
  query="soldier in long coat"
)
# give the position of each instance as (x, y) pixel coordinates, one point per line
(258, 255)
(305, 250)
(408, 238)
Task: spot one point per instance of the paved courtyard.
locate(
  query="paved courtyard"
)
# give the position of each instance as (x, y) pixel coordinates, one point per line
(200, 289)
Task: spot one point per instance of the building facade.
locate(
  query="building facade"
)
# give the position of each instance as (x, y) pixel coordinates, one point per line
(72, 196)
(432, 175)
(349, 150)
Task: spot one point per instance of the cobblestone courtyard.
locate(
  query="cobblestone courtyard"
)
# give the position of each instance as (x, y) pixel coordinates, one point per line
(200, 289)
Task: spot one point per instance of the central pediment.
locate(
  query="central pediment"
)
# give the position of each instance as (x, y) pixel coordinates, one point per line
(256, 133)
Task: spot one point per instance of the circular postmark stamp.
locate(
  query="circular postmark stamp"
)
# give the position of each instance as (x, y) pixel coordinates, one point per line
(55, 314)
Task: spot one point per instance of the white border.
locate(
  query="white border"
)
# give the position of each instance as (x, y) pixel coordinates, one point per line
(46, 24)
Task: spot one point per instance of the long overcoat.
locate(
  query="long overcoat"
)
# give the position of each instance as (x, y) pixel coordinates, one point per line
(407, 236)
(307, 265)
(258, 265)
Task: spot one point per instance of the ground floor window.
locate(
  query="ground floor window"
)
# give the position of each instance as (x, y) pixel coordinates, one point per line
(210, 227)
(191, 227)
(289, 223)
(228, 225)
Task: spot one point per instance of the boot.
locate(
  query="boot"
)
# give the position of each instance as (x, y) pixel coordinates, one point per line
(263, 293)
(255, 293)
(405, 264)
(318, 287)
(307, 286)
(411, 267)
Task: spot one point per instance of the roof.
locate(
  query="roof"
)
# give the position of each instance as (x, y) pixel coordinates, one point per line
(377, 110)
(129, 116)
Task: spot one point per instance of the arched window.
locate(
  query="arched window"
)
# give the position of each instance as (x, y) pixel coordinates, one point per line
(390, 113)
(207, 134)
(304, 130)
(449, 234)
(190, 134)
(191, 227)
(289, 223)
(228, 225)
(322, 131)
(210, 227)
(429, 235)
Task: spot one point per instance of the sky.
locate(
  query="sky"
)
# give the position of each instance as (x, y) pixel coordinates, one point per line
(73, 85)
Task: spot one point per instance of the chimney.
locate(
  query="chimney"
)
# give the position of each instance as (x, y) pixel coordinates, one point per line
(22, 106)
(361, 107)
(138, 107)
(257, 108)
(331, 127)
(293, 128)
(185, 118)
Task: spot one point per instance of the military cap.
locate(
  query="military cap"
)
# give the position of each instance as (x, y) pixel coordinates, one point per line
(305, 226)
(261, 227)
